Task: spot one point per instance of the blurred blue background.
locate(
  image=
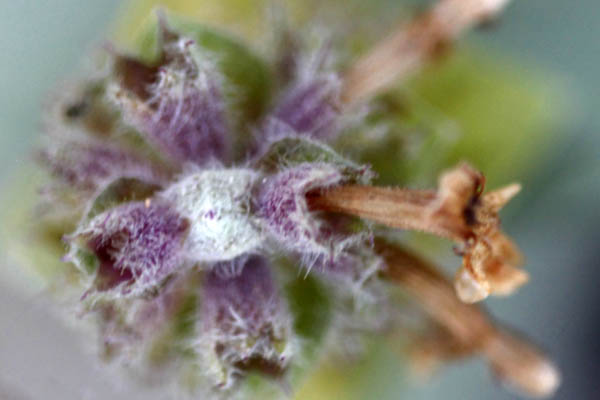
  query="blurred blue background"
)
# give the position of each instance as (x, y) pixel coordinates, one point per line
(556, 219)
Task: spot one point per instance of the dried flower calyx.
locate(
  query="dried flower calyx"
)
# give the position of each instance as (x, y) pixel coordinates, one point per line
(458, 210)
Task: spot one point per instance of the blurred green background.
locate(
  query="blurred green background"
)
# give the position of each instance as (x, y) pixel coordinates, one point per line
(556, 219)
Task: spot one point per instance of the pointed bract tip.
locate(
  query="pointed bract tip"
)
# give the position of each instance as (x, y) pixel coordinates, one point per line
(500, 197)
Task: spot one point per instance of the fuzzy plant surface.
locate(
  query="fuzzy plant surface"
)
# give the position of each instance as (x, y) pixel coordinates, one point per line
(224, 224)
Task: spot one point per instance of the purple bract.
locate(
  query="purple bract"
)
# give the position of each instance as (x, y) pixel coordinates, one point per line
(245, 321)
(137, 246)
(178, 106)
(282, 206)
(310, 109)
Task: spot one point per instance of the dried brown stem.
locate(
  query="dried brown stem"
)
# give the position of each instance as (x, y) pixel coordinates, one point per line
(458, 210)
(411, 45)
(393, 207)
(432, 350)
(515, 361)
(434, 293)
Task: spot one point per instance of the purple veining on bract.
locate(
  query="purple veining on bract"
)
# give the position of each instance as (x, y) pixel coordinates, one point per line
(244, 319)
(310, 108)
(178, 106)
(187, 122)
(89, 164)
(251, 295)
(283, 208)
(137, 245)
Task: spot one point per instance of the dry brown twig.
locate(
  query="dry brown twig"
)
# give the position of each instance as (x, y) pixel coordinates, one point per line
(412, 45)
(458, 210)
(469, 330)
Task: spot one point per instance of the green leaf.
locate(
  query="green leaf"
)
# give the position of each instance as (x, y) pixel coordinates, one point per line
(472, 107)
(506, 114)
(310, 306)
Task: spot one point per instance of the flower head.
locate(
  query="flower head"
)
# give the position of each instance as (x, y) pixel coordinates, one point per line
(232, 260)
